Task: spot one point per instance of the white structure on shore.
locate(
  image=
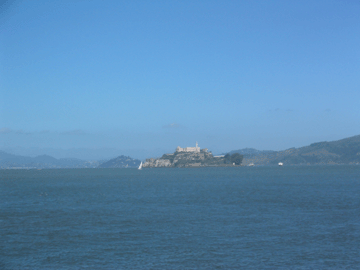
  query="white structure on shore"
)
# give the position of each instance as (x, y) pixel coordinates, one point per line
(188, 149)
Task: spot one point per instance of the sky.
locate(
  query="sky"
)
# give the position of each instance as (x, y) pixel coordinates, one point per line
(143, 77)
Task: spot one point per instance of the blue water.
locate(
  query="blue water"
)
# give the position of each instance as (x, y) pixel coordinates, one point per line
(200, 218)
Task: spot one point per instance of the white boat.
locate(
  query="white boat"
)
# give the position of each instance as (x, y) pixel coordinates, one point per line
(140, 166)
(280, 164)
(251, 164)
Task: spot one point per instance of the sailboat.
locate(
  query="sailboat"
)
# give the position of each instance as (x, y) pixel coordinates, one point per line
(140, 166)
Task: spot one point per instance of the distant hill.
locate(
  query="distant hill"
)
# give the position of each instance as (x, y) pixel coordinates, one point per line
(345, 151)
(9, 161)
(251, 152)
(121, 162)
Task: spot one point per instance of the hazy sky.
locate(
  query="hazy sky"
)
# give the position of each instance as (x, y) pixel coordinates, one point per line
(148, 75)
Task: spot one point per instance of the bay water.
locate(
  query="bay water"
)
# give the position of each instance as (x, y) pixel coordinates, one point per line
(296, 217)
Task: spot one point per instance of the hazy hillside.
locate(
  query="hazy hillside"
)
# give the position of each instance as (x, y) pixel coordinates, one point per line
(8, 161)
(345, 151)
(121, 162)
(251, 152)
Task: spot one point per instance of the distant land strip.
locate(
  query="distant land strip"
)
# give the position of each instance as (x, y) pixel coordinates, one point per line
(345, 151)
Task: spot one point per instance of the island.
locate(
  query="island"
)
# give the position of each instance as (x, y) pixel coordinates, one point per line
(193, 157)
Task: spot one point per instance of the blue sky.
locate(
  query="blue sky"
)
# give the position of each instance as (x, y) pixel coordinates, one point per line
(151, 75)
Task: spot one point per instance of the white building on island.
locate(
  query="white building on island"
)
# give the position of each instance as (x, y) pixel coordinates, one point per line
(195, 149)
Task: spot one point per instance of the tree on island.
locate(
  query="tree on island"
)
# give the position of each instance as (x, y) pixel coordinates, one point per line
(234, 158)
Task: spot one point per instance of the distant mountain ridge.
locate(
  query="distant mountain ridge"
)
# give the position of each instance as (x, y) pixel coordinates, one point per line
(344, 151)
(8, 161)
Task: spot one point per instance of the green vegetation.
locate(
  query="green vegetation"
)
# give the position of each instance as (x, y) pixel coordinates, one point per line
(234, 158)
